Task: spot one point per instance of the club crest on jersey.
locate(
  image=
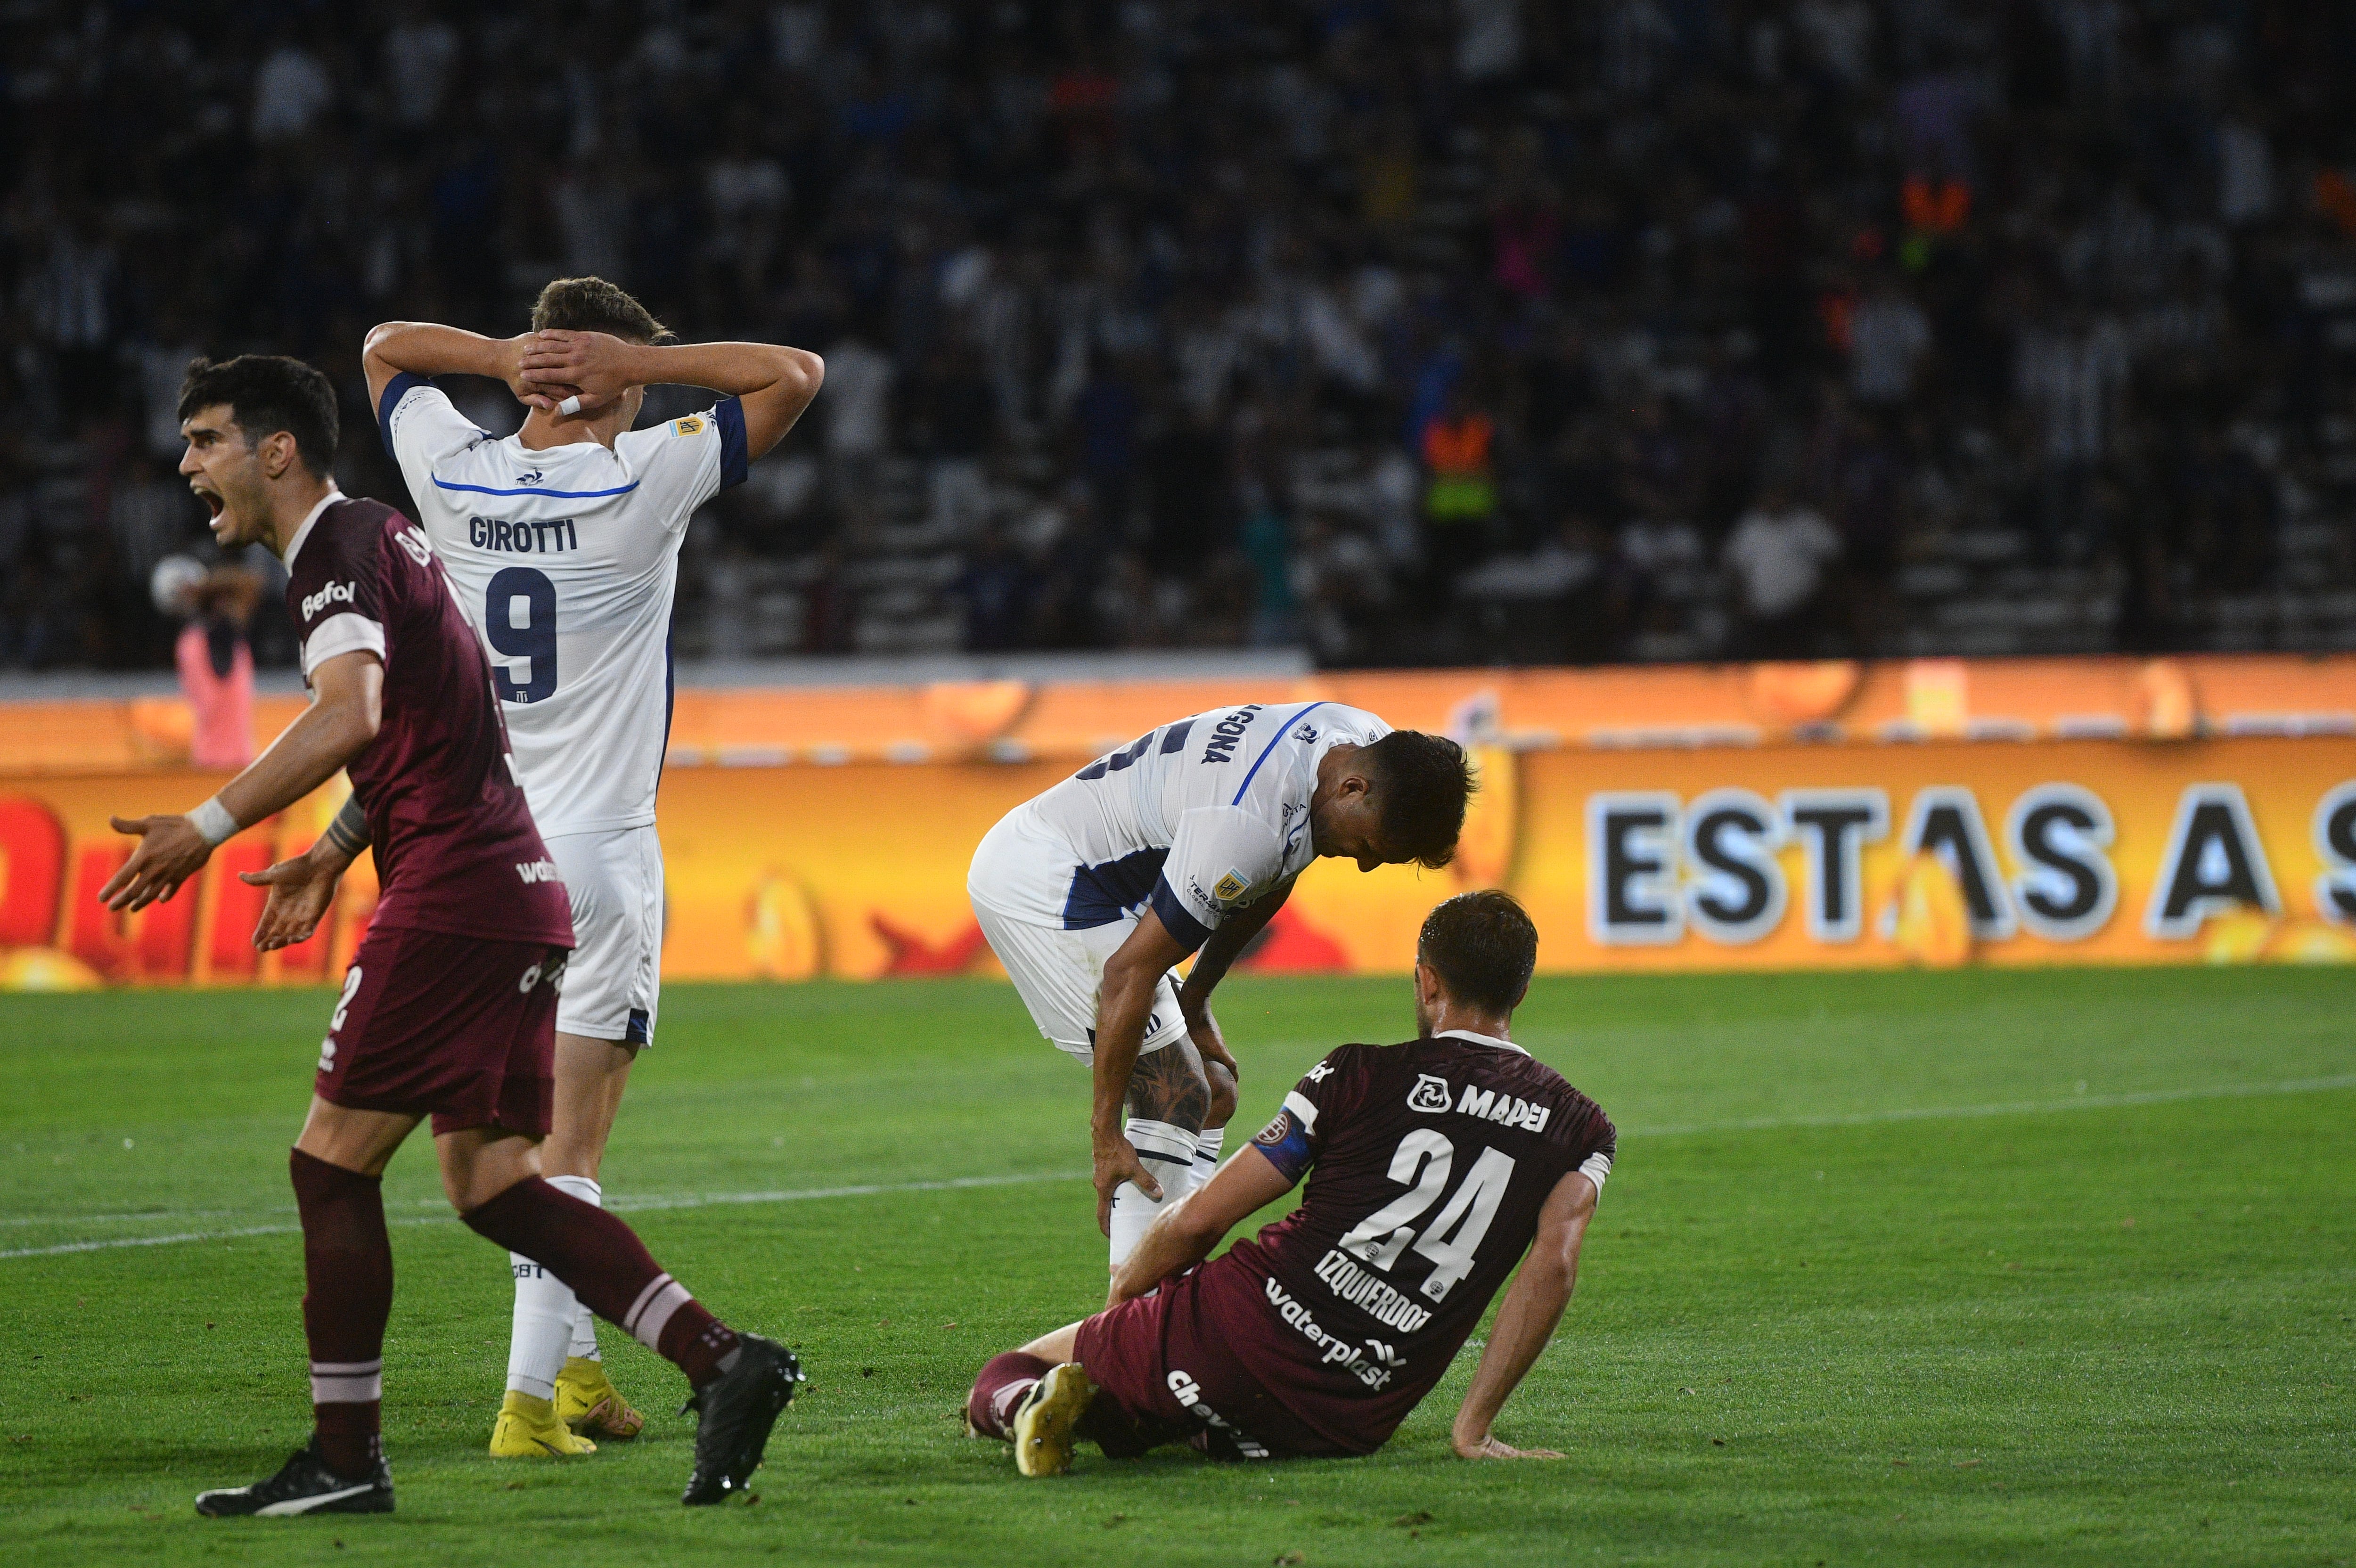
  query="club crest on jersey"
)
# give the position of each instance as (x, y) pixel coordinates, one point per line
(690, 425)
(1305, 734)
(1430, 1095)
(1229, 888)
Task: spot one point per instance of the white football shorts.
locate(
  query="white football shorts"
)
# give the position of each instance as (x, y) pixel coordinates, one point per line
(614, 977)
(1058, 972)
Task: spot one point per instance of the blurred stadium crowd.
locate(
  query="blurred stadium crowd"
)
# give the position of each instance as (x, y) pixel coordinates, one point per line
(1412, 331)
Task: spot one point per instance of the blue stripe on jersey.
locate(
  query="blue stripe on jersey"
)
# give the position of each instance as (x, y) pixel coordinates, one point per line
(1176, 918)
(735, 465)
(400, 387)
(561, 495)
(1106, 892)
(1264, 751)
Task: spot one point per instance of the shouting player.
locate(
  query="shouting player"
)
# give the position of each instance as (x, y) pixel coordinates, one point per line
(1435, 1165)
(449, 1006)
(561, 541)
(1188, 840)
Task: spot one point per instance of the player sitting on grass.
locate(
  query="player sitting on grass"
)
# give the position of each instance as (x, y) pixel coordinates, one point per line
(449, 1009)
(1437, 1164)
(1187, 840)
(564, 538)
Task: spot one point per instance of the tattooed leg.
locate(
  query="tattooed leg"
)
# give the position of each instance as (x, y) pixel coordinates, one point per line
(1169, 1085)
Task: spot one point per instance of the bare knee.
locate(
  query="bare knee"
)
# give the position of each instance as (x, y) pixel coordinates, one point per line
(1223, 1095)
(1059, 1346)
(480, 1163)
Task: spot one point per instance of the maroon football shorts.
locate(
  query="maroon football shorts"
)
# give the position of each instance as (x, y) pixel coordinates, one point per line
(1165, 1363)
(453, 1026)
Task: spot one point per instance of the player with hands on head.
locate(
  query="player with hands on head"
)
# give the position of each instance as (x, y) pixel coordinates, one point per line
(562, 542)
(1434, 1169)
(449, 1006)
(1188, 841)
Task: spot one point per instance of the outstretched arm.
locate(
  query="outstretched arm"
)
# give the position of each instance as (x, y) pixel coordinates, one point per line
(1184, 1235)
(301, 888)
(1526, 1322)
(339, 725)
(773, 383)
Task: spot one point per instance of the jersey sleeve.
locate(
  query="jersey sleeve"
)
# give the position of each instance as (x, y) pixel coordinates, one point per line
(686, 462)
(336, 594)
(1602, 1143)
(422, 427)
(1296, 1137)
(1221, 857)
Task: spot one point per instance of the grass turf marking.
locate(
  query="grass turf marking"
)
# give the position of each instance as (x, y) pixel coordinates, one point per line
(653, 1202)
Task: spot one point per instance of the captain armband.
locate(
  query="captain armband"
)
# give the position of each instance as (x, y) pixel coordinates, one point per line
(1285, 1140)
(349, 831)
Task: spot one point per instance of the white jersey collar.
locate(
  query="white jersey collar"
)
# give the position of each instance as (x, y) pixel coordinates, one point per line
(1480, 1039)
(303, 530)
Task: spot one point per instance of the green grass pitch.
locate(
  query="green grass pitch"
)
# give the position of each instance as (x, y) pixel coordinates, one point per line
(2051, 1267)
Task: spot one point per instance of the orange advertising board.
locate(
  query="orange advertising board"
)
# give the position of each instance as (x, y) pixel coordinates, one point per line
(1739, 857)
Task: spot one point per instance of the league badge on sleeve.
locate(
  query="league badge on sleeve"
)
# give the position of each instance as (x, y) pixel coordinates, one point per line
(692, 424)
(1231, 887)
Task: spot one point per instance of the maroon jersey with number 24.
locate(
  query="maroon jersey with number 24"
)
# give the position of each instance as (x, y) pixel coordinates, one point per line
(1429, 1163)
(455, 848)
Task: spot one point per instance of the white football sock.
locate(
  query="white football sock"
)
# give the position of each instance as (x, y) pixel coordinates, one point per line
(584, 1335)
(541, 1331)
(1207, 1144)
(1167, 1152)
(585, 1322)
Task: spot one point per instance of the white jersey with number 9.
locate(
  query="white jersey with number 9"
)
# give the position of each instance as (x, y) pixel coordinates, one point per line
(566, 559)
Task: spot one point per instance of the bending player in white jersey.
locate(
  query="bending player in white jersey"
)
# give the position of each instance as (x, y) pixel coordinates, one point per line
(561, 543)
(1186, 841)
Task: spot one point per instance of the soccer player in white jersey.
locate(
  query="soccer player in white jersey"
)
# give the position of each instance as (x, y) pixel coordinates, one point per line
(1188, 840)
(561, 543)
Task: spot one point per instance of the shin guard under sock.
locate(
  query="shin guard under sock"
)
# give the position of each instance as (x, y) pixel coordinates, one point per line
(347, 1296)
(609, 1269)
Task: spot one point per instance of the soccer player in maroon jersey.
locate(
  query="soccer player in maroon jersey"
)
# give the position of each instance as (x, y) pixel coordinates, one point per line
(449, 1007)
(1436, 1165)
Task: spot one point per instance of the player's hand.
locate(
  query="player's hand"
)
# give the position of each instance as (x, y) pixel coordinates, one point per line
(300, 892)
(170, 851)
(594, 366)
(1116, 1162)
(1203, 1030)
(1487, 1447)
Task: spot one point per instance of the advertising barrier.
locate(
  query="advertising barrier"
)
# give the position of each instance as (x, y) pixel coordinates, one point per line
(2227, 848)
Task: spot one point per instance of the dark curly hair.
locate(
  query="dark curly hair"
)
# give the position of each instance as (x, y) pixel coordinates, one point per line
(1421, 785)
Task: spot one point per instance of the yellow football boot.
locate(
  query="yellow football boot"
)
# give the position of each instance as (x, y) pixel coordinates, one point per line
(1043, 1420)
(587, 1402)
(527, 1429)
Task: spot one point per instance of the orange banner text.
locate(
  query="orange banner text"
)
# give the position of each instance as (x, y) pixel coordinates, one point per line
(2236, 849)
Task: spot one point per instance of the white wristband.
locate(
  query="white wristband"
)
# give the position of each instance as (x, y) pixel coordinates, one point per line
(212, 819)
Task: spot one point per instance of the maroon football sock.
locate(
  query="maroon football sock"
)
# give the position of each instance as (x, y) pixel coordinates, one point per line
(347, 1269)
(604, 1262)
(1003, 1382)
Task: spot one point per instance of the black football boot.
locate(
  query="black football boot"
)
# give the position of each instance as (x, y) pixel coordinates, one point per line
(734, 1415)
(304, 1485)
